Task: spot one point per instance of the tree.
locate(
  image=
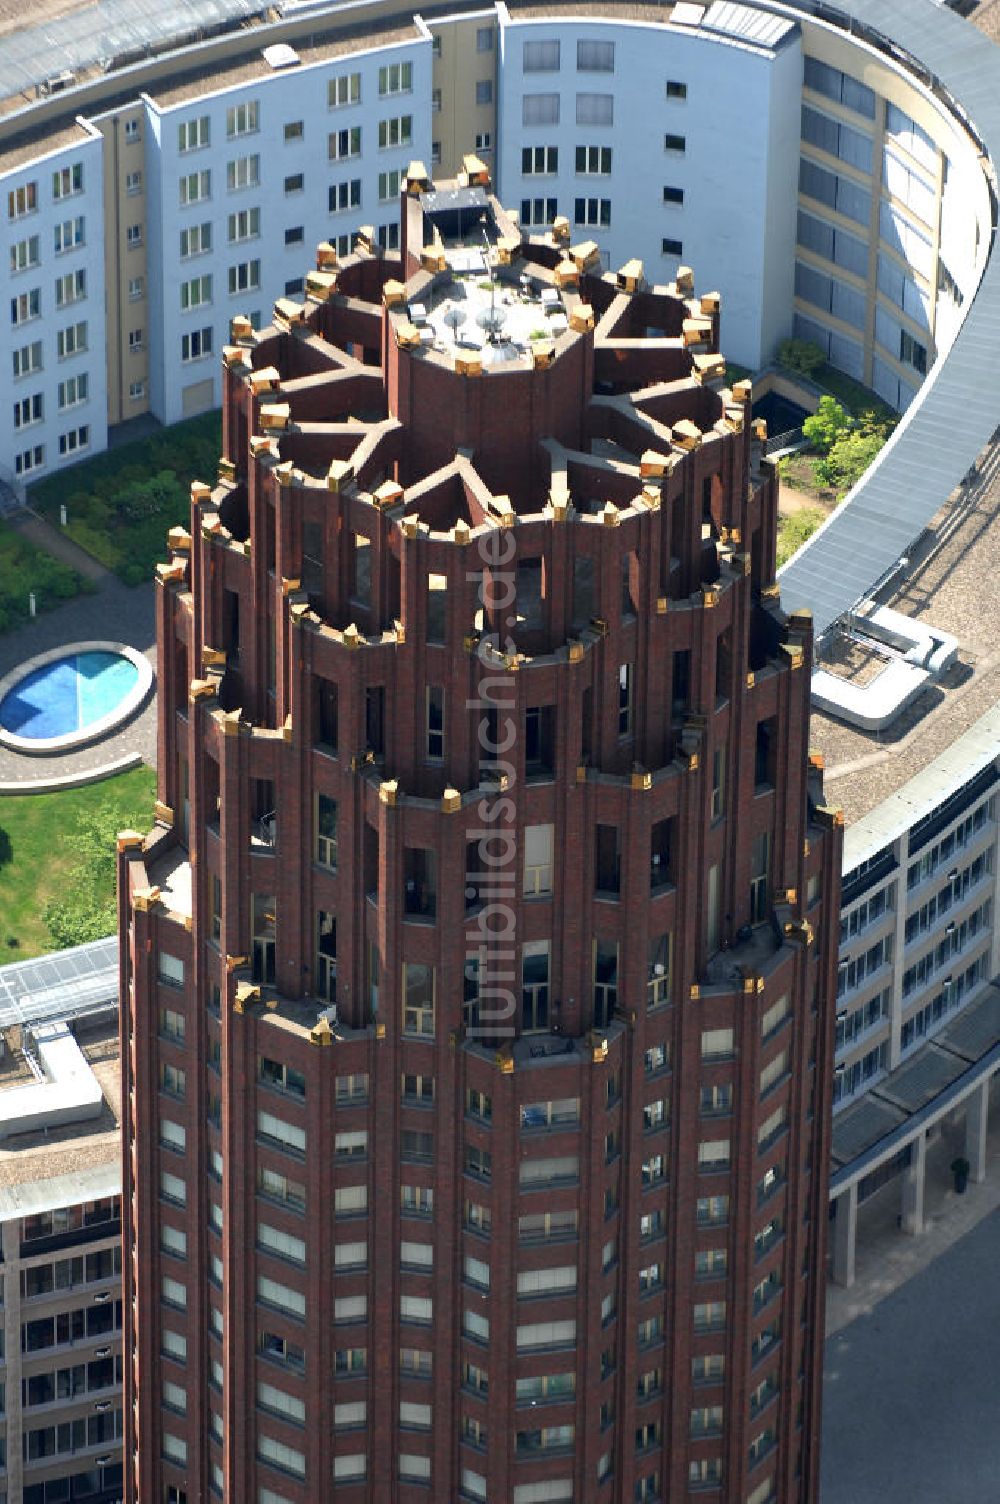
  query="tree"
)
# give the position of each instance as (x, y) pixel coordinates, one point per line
(826, 425)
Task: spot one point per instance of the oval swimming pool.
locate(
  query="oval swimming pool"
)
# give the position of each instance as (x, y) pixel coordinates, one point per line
(71, 697)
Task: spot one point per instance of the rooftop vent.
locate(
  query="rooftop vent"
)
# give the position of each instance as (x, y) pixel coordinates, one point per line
(280, 55)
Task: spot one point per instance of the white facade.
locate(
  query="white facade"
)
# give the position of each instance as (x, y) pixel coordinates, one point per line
(700, 150)
(53, 359)
(271, 167)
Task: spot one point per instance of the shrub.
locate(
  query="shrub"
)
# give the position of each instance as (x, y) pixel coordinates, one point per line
(801, 355)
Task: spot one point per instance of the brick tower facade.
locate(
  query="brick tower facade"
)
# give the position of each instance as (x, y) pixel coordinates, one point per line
(479, 967)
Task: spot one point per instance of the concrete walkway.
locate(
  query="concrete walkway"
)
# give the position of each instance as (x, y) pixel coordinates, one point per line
(887, 1257)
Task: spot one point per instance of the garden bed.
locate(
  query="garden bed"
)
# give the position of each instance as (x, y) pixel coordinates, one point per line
(121, 504)
(25, 568)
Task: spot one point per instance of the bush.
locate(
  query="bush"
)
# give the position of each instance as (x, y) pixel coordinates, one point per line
(848, 458)
(25, 569)
(802, 356)
(826, 424)
(125, 501)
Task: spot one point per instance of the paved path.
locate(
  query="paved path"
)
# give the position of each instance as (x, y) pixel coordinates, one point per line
(52, 540)
(912, 1398)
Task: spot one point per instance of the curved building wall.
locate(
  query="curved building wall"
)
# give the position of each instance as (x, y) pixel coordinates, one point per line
(702, 124)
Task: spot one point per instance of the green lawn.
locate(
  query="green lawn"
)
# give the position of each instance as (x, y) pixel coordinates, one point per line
(60, 848)
(121, 504)
(24, 568)
(795, 529)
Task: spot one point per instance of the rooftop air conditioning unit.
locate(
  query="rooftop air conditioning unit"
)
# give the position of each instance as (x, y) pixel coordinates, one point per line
(56, 82)
(329, 1013)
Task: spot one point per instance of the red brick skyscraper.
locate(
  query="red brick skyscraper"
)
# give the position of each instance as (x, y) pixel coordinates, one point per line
(479, 968)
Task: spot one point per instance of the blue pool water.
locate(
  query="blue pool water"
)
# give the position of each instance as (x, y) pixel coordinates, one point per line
(67, 695)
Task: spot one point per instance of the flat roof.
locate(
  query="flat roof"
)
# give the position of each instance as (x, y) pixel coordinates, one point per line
(923, 1087)
(945, 585)
(73, 1149)
(192, 81)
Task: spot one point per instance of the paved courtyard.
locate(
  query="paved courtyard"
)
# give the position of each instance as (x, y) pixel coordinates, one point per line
(912, 1397)
(114, 613)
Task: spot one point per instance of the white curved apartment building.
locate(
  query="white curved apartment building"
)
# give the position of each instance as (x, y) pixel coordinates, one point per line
(807, 167)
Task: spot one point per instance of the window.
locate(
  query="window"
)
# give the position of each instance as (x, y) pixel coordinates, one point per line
(595, 212)
(26, 306)
(68, 235)
(28, 410)
(484, 91)
(716, 1044)
(395, 78)
(243, 172)
(538, 211)
(194, 187)
(295, 236)
(135, 341)
(25, 254)
(540, 109)
(478, 1104)
(593, 160)
(434, 730)
(673, 195)
(710, 1262)
(540, 57)
(773, 1072)
(293, 130)
(344, 89)
(244, 277)
(27, 460)
(23, 200)
(242, 119)
(595, 109)
(418, 999)
(712, 1211)
(395, 132)
(274, 1240)
(775, 1016)
(136, 390)
(912, 352)
(196, 241)
(713, 1154)
(133, 183)
(27, 359)
(345, 195)
(625, 692)
(280, 1076)
(535, 986)
(484, 141)
(676, 90)
(674, 143)
(197, 344)
(560, 1169)
(672, 247)
(546, 1334)
(388, 185)
(67, 180)
(710, 1316)
(71, 287)
(244, 225)
(656, 1059)
(196, 292)
(539, 161)
(538, 859)
(287, 1136)
(133, 237)
(193, 134)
